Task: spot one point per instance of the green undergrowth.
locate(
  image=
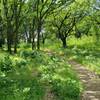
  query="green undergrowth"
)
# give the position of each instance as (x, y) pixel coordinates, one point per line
(87, 52)
(84, 50)
(25, 76)
(89, 58)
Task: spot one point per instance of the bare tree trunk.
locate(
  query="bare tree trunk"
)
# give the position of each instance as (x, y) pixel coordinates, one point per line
(38, 37)
(9, 36)
(33, 34)
(30, 34)
(64, 42)
(43, 40)
(16, 35)
(15, 44)
(33, 44)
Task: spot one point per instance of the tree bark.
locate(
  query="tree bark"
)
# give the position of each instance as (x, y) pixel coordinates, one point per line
(9, 36)
(33, 40)
(15, 44)
(38, 37)
(16, 36)
(64, 42)
(33, 44)
(29, 38)
(43, 40)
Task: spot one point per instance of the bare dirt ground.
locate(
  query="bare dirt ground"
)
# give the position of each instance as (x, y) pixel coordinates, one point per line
(90, 81)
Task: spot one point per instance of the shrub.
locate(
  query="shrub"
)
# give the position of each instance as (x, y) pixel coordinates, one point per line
(24, 53)
(66, 89)
(21, 63)
(6, 64)
(39, 57)
(6, 88)
(36, 91)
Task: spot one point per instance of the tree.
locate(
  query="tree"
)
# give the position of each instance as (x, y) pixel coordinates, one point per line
(95, 17)
(44, 9)
(11, 14)
(67, 22)
(17, 9)
(1, 33)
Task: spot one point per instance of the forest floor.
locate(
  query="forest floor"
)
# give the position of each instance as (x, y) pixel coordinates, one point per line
(90, 81)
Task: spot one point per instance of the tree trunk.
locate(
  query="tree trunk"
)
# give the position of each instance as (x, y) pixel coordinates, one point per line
(38, 40)
(33, 42)
(29, 39)
(30, 34)
(9, 30)
(15, 44)
(16, 36)
(33, 34)
(38, 26)
(38, 36)
(64, 42)
(9, 43)
(43, 41)
(1, 42)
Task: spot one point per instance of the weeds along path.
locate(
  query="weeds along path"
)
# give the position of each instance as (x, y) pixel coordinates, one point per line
(49, 94)
(90, 81)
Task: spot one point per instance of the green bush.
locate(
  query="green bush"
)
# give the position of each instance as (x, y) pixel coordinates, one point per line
(66, 89)
(34, 54)
(24, 53)
(6, 88)
(6, 64)
(39, 57)
(21, 63)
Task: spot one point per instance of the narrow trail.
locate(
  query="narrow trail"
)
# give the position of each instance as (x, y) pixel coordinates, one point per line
(49, 95)
(90, 81)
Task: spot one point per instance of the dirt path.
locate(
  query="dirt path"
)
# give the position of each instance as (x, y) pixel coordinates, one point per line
(49, 95)
(90, 81)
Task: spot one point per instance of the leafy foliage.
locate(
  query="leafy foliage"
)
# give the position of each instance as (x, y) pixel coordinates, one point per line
(31, 24)
(6, 65)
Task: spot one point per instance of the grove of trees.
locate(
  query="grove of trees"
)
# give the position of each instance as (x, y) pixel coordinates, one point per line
(49, 49)
(32, 21)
